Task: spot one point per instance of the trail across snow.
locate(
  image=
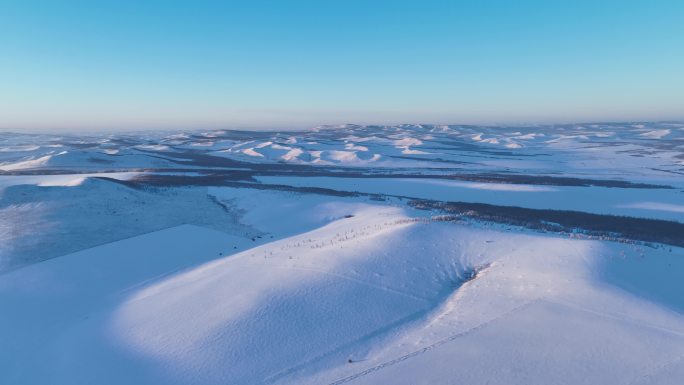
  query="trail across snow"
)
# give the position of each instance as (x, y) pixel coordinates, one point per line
(423, 350)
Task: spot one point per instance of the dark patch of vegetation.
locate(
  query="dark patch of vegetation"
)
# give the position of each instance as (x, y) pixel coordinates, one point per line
(611, 226)
(554, 181)
(303, 190)
(157, 181)
(160, 180)
(433, 159)
(100, 161)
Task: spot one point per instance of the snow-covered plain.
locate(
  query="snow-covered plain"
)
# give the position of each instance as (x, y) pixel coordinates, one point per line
(295, 258)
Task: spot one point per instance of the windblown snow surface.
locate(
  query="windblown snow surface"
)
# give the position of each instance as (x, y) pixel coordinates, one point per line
(345, 255)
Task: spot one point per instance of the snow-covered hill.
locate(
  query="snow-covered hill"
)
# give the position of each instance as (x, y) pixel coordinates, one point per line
(406, 298)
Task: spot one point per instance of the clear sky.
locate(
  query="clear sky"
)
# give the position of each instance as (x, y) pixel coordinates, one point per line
(98, 64)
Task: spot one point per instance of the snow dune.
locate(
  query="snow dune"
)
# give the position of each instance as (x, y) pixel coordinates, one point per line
(657, 206)
(26, 164)
(656, 134)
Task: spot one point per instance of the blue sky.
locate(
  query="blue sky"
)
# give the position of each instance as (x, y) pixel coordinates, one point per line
(294, 64)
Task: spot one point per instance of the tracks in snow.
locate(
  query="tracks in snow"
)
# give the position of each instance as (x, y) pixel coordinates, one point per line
(426, 349)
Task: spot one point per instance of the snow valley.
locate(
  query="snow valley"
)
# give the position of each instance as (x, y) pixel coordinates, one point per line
(350, 254)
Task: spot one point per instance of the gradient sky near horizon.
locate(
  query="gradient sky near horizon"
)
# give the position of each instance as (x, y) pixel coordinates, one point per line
(88, 65)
